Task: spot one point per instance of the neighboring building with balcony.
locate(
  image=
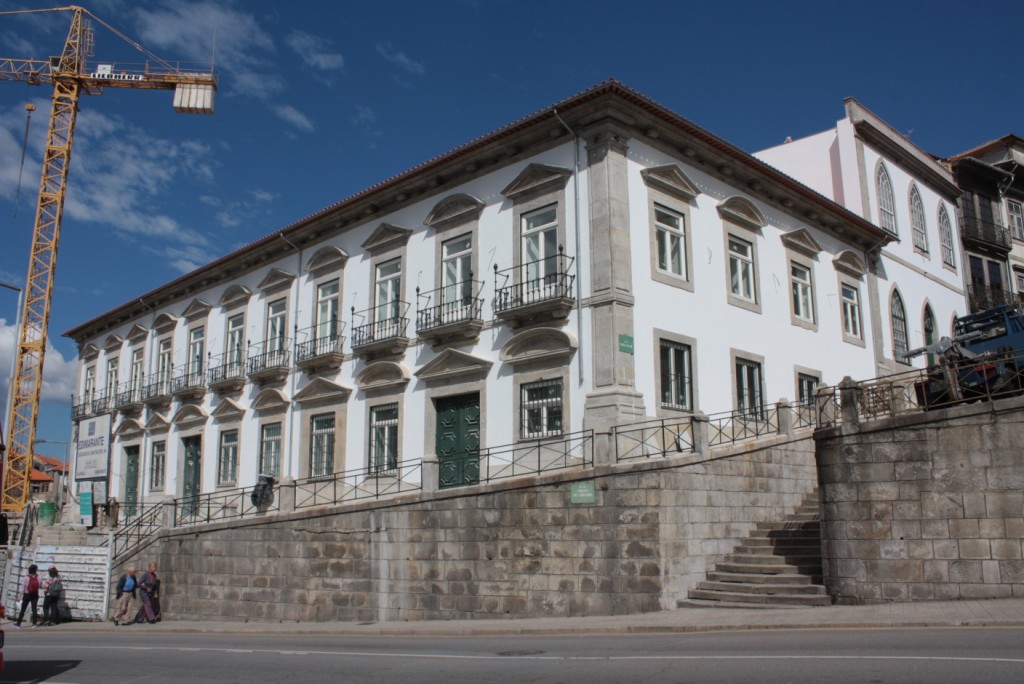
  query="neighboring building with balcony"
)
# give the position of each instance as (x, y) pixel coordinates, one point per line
(992, 220)
(591, 265)
(874, 171)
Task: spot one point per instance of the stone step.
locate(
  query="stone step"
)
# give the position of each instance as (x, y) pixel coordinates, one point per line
(764, 588)
(808, 548)
(754, 577)
(774, 559)
(702, 603)
(765, 568)
(812, 525)
(762, 599)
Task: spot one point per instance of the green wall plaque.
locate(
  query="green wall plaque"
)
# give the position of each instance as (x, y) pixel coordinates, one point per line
(626, 344)
(582, 492)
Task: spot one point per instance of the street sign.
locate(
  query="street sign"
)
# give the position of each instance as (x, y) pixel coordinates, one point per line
(582, 492)
(626, 344)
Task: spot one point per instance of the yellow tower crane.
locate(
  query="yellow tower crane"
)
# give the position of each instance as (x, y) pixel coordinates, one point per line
(71, 76)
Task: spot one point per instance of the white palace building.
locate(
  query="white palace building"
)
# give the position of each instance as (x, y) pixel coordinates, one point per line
(598, 263)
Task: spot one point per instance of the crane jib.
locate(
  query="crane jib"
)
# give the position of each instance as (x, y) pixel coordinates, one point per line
(117, 77)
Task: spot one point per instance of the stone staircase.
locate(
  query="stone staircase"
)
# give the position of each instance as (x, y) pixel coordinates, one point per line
(777, 566)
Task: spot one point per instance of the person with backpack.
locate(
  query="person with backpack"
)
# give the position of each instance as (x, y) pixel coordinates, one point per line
(29, 594)
(53, 588)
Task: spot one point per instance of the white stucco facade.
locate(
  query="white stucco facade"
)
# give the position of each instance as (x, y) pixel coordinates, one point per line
(744, 300)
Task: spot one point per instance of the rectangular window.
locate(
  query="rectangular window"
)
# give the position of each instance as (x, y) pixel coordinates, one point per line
(327, 310)
(111, 377)
(383, 438)
(1016, 213)
(803, 294)
(806, 385)
(540, 248)
(321, 445)
(156, 466)
(851, 311)
(388, 291)
(670, 232)
(270, 449)
(748, 387)
(227, 458)
(234, 351)
(138, 372)
(676, 376)
(457, 267)
(165, 361)
(741, 269)
(276, 325)
(89, 385)
(541, 409)
(196, 350)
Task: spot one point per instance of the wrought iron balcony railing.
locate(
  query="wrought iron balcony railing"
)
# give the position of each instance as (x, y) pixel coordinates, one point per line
(102, 401)
(451, 305)
(226, 370)
(980, 298)
(157, 390)
(270, 355)
(322, 341)
(189, 378)
(387, 322)
(129, 394)
(543, 282)
(989, 232)
(82, 406)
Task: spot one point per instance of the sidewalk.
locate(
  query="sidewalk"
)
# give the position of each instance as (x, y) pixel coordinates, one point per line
(992, 613)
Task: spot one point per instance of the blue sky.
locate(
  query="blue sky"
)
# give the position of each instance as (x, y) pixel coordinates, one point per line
(320, 99)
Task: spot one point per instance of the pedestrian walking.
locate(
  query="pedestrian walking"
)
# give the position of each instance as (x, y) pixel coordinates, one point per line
(148, 587)
(29, 595)
(53, 589)
(126, 589)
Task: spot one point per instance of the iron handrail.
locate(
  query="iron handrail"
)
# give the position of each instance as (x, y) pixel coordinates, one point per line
(225, 504)
(532, 284)
(136, 529)
(276, 353)
(457, 303)
(387, 321)
(189, 376)
(525, 457)
(357, 484)
(229, 366)
(318, 344)
(654, 438)
(734, 426)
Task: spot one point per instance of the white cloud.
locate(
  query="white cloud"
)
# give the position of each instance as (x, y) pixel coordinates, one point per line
(294, 117)
(261, 195)
(59, 374)
(315, 51)
(399, 58)
(365, 116)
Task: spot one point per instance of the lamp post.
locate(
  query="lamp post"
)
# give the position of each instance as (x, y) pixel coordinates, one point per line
(63, 480)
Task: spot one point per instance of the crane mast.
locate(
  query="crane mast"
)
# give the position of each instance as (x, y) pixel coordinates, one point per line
(70, 78)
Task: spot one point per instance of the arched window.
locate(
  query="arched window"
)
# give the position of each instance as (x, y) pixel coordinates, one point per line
(886, 201)
(946, 237)
(928, 323)
(898, 314)
(917, 222)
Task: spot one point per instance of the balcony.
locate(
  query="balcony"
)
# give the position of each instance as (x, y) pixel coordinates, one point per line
(385, 335)
(82, 406)
(158, 392)
(189, 381)
(980, 298)
(129, 396)
(322, 348)
(535, 291)
(102, 402)
(456, 315)
(227, 373)
(983, 232)
(269, 361)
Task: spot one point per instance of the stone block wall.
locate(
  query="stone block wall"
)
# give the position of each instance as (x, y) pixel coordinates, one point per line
(514, 549)
(925, 506)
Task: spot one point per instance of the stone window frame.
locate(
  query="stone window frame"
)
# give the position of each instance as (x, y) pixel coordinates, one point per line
(169, 338)
(918, 223)
(472, 384)
(527, 377)
(466, 221)
(659, 336)
(801, 372)
(89, 372)
(385, 401)
(316, 284)
(1015, 218)
(222, 481)
(946, 239)
(140, 492)
(754, 305)
(854, 284)
(808, 265)
(156, 485)
(736, 356)
(268, 301)
(886, 196)
(113, 370)
(656, 200)
(387, 243)
(527, 198)
(309, 451)
(261, 468)
(200, 364)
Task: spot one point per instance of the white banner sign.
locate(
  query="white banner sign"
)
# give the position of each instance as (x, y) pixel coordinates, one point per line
(92, 450)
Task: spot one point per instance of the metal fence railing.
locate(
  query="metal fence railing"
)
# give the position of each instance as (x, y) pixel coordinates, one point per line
(527, 457)
(654, 438)
(358, 484)
(942, 385)
(136, 529)
(734, 426)
(225, 504)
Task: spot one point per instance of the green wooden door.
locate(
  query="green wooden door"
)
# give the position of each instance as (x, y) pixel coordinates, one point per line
(190, 486)
(458, 440)
(131, 480)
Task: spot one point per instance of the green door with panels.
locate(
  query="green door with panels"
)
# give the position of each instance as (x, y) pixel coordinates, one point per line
(193, 462)
(458, 440)
(131, 480)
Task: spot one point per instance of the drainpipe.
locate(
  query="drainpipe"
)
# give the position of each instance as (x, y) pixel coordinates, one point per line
(576, 211)
(292, 375)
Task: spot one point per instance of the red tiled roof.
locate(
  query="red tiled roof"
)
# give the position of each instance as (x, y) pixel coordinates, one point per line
(53, 463)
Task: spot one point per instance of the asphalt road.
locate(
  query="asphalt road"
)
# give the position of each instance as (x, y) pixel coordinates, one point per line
(937, 655)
